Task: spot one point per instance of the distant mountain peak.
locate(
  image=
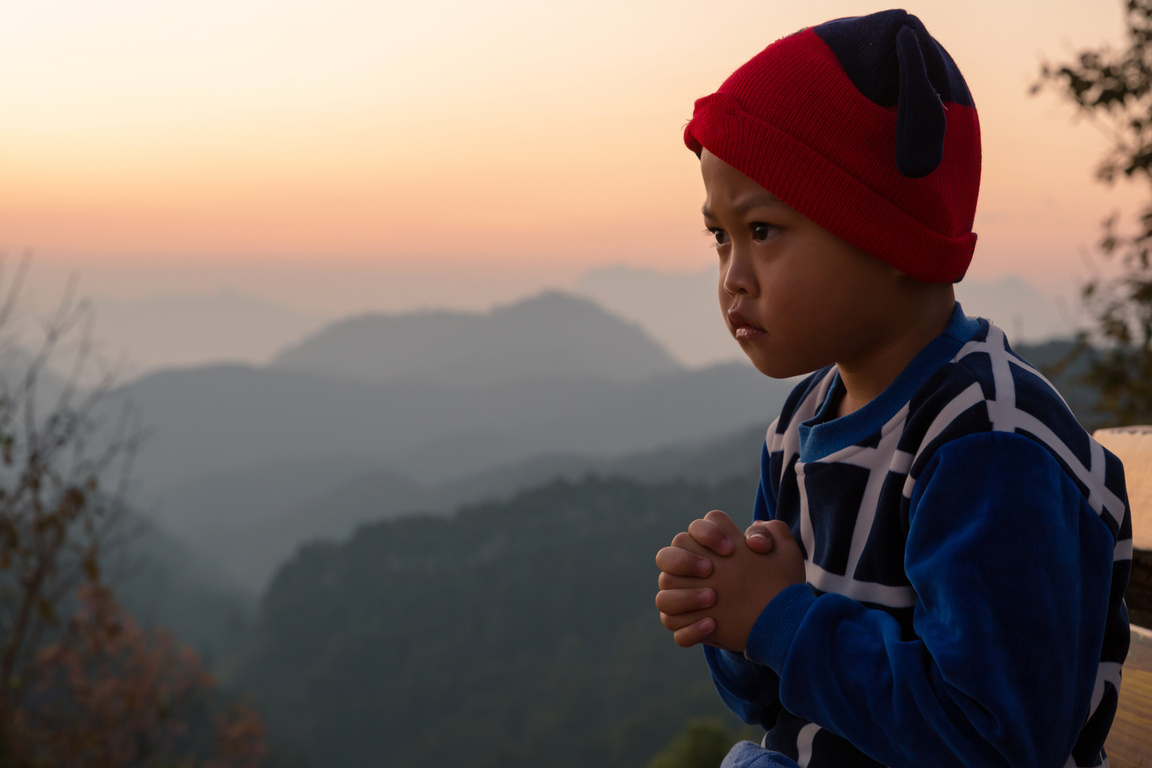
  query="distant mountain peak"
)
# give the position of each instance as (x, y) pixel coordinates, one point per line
(550, 335)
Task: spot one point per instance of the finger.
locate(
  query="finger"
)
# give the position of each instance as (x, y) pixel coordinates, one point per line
(678, 601)
(669, 581)
(678, 621)
(758, 538)
(695, 633)
(680, 562)
(711, 535)
(779, 531)
(785, 546)
(724, 522)
(684, 540)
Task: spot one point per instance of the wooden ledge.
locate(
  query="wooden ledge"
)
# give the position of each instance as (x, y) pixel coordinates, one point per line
(1130, 740)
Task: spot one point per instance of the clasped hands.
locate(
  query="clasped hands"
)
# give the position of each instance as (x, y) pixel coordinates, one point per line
(715, 580)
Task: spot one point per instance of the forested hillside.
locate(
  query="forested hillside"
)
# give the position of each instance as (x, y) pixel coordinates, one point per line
(520, 633)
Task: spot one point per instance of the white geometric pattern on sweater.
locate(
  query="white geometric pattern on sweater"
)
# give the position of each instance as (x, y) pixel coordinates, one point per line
(1006, 417)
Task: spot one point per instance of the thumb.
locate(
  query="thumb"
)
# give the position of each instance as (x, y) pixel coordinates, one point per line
(758, 538)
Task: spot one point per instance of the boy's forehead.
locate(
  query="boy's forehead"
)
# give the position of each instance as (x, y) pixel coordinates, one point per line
(742, 204)
(727, 187)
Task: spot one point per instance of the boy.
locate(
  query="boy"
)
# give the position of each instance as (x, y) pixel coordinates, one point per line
(936, 571)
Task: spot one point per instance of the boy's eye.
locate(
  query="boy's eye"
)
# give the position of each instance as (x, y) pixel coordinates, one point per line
(762, 231)
(719, 235)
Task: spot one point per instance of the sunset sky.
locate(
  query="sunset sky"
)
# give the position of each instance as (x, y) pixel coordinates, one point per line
(425, 150)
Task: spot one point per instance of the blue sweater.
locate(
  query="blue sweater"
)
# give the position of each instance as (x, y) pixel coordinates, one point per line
(967, 546)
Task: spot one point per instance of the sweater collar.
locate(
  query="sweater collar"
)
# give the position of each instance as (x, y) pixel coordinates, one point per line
(823, 435)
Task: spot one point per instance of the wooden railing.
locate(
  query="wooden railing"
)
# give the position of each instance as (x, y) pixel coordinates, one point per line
(1130, 740)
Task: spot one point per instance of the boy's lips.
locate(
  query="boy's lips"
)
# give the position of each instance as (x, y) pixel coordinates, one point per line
(741, 327)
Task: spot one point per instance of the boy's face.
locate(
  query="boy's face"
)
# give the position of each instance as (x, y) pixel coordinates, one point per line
(795, 296)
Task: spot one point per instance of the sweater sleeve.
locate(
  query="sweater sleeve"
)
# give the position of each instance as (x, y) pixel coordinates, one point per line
(1011, 568)
(748, 689)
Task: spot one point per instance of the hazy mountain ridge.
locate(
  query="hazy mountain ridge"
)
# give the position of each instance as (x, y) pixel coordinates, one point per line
(549, 336)
(251, 523)
(245, 463)
(230, 418)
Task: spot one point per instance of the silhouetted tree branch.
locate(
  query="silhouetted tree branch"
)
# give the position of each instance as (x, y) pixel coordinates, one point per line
(1113, 87)
(80, 683)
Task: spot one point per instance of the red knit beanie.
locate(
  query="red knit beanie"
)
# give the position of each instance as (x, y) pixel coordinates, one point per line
(865, 126)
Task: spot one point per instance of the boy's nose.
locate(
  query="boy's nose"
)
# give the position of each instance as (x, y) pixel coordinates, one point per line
(738, 277)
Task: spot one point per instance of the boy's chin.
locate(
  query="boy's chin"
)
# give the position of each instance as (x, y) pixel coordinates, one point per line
(775, 368)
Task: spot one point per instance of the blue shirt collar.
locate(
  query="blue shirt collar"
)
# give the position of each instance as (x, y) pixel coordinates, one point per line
(823, 435)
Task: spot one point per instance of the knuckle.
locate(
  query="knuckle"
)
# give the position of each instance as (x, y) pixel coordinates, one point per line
(779, 527)
(758, 527)
(705, 532)
(681, 539)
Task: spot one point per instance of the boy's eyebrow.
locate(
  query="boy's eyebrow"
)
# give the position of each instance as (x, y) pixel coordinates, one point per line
(740, 207)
